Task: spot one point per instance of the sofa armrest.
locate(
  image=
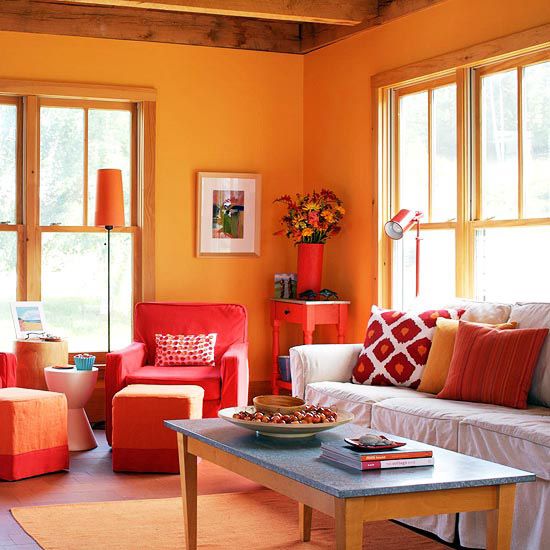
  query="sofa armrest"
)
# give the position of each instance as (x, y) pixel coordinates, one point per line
(234, 372)
(320, 363)
(8, 370)
(119, 365)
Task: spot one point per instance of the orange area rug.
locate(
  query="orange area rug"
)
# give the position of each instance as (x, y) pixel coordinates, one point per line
(241, 521)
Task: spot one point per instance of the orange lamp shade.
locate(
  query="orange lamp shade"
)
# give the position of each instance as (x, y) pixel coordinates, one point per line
(109, 204)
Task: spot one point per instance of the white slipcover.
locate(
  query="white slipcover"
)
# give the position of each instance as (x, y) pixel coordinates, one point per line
(537, 315)
(436, 422)
(521, 442)
(356, 398)
(320, 362)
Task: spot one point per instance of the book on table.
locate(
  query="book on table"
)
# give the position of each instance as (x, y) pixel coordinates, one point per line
(375, 460)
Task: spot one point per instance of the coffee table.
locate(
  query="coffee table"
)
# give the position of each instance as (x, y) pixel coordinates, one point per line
(456, 483)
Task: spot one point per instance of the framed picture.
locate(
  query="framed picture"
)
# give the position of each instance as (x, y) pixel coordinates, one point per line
(228, 214)
(285, 285)
(28, 319)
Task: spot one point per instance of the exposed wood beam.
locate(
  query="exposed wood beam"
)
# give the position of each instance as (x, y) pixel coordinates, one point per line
(335, 12)
(43, 17)
(317, 36)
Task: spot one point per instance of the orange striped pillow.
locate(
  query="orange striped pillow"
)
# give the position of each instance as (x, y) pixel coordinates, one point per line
(493, 366)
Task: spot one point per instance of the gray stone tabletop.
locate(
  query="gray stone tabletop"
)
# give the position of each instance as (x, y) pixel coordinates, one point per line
(299, 459)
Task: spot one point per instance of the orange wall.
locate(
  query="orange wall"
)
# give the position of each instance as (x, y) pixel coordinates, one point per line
(337, 118)
(218, 110)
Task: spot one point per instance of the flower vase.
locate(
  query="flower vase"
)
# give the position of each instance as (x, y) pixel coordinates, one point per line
(310, 267)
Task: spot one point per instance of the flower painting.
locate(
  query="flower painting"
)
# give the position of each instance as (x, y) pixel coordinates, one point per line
(228, 214)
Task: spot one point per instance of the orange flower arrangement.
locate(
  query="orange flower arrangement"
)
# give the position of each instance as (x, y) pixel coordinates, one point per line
(311, 218)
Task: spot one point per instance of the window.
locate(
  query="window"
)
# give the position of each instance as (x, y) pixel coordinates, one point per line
(425, 180)
(49, 248)
(471, 150)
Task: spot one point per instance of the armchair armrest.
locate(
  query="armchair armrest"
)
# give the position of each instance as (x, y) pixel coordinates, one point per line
(320, 363)
(234, 372)
(118, 365)
(8, 370)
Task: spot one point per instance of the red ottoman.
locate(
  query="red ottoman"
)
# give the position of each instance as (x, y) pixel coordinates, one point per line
(33, 433)
(141, 443)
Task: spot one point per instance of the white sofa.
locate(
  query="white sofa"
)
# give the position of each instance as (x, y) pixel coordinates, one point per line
(518, 438)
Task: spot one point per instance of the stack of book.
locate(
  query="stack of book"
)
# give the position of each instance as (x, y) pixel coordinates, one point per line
(344, 454)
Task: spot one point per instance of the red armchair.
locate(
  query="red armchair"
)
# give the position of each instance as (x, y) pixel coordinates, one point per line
(225, 384)
(8, 368)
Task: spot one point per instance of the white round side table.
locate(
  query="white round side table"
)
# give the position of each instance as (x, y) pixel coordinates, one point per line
(78, 386)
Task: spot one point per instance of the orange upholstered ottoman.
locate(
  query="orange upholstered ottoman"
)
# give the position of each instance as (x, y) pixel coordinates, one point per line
(33, 433)
(141, 443)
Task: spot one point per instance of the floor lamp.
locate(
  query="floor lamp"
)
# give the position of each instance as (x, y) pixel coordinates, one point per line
(399, 225)
(109, 213)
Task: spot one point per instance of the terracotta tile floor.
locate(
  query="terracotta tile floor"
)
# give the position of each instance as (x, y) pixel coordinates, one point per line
(91, 478)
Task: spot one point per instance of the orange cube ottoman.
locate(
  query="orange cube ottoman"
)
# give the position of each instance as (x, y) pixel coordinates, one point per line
(33, 433)
(141, 443)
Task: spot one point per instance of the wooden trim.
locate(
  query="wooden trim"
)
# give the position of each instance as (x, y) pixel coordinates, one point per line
(83, 229)
(515, 61)
(85, 172)
(531, 40)
(525, 222)
(32, 258)
(87, 104)
(335, 12)
(318, 36)
(519, 73)
(121, 23)
(423, 86)
(146, 198)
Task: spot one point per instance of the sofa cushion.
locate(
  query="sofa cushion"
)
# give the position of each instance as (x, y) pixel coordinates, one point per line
(354, 398)
(536, 315)
(493, 366)
(475, 312)
(520, 441)
(208, 378)
(432, 421)
(397, 344)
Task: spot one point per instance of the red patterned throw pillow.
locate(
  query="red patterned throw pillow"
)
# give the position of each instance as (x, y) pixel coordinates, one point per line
(396, 346)
(176, 350)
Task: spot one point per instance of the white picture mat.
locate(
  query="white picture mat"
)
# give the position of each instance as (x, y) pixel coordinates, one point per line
(16, 310)
(250, 184)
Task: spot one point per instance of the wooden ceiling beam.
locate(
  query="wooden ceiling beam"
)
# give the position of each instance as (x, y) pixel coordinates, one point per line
(336, 12)
(317, 36)
(119, 23)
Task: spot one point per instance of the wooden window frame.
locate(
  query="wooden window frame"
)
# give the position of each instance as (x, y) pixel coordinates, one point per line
(465, 67)
(30, 96)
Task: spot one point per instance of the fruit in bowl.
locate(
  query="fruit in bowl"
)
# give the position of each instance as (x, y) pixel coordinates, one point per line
(308, 414)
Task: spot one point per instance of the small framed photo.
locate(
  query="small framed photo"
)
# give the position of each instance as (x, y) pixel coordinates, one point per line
(28, 319)
(285, 286)
(228, 214)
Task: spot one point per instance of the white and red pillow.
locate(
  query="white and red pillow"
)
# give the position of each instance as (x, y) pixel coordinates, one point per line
(397, 345)
(185, 350)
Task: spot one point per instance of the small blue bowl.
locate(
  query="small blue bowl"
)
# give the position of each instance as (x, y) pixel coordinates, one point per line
(84, 363)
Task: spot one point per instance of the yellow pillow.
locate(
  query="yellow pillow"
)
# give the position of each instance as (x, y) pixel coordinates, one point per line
(441, 352)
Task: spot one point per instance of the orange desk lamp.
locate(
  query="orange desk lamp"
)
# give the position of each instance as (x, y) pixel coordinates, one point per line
(109, 213)
(399, 225)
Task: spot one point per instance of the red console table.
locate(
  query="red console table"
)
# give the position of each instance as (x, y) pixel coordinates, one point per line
(309, 315)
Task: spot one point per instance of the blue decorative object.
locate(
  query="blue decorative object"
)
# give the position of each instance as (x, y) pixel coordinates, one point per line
(284, 367)
(84, 362)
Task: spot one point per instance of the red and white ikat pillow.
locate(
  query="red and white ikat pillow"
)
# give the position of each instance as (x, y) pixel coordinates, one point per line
(185, 350)
(397, 345)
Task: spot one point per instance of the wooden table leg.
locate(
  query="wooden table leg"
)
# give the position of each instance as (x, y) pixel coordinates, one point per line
(500, 520)
(305, 513)
(349, 524)
(188, 479)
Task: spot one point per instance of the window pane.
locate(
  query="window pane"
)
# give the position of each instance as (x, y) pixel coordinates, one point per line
(8, 162)
(8, 286)
(109, 146)
(74, 288)
(444, 154)
(536, 141)
(437, 266)
(413, 152)
(512, 264)
(499, 145)
(61, 165)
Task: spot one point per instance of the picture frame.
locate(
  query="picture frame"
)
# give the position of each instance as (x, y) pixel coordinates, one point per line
(28, 319)
(228, 214)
